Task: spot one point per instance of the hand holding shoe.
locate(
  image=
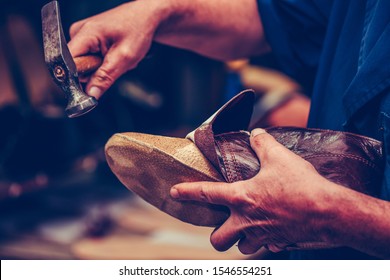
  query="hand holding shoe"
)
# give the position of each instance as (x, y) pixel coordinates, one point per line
(315, 189)
(281, 205)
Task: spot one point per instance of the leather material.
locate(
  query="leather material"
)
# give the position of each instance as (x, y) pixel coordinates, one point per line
(219, 150)
(343, 158)
(347, 159)
(236, 158)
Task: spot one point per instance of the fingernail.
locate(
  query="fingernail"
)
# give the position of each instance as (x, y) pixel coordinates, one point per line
(95, 92)
(174, 193)
(257, 131)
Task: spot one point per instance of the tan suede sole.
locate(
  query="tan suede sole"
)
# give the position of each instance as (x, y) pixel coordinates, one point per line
(150, 165)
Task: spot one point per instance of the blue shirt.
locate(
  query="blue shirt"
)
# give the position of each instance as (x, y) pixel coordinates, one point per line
(340, 52)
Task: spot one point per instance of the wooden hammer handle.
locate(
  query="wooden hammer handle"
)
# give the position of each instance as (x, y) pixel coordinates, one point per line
(87, 64)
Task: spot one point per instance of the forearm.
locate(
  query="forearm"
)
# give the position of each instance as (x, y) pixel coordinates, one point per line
(358, 221)
(222, 29)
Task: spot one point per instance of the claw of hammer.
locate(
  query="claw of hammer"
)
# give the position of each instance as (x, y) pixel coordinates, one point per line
(61, 64)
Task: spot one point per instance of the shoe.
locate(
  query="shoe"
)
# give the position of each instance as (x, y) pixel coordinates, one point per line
(219, 150)
(150, 165)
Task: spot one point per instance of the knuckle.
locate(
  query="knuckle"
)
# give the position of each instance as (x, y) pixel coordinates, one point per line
(74, 27)
(104, 77)
(203, 195)
(125, 53)
(239, 198)
(88, 25)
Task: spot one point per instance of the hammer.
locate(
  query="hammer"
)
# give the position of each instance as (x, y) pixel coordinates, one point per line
(63, 68)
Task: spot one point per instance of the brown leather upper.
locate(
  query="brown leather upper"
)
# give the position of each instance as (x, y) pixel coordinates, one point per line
(237, 161)
(351, 160)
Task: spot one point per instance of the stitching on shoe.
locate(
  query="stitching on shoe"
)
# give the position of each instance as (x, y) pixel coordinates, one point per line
(232, 172)
(221, 146)
(237, 174)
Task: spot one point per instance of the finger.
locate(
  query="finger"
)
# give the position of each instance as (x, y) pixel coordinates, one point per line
(263, 143)
(226, 235)
(75, 27)
(84, 79)
(276, 248)
(249, 245)
(211, 192)
(118, 60)
(87, 37)
(83, 44)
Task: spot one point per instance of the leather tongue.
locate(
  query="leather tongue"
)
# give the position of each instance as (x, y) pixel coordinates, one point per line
(235, 115)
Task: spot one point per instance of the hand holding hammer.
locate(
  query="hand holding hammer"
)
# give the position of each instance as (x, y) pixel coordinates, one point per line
(65, 69)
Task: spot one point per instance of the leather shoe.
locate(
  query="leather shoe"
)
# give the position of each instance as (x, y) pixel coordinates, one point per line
(219, 150)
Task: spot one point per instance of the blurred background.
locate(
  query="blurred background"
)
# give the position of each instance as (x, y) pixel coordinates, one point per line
(58, 198)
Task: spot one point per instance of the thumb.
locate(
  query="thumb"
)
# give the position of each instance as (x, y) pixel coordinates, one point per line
(264, 144)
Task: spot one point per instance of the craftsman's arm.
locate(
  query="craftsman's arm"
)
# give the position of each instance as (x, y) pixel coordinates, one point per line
(223, 29)
(289, 202)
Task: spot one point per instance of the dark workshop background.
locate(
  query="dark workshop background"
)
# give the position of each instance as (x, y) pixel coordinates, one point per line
(55, 187)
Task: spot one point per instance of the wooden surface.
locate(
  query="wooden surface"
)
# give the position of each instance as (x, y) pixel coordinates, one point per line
(138, 231)
(155, 235)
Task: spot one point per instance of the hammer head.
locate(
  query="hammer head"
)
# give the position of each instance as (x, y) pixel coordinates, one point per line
(60, 62)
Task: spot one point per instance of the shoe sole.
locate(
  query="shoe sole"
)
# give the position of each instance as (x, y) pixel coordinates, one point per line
(150, 165)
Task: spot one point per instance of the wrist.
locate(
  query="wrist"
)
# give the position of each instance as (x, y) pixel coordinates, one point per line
(324, 214)
(339, 211)
(174, 21)
(156, 12)
(164, 14)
